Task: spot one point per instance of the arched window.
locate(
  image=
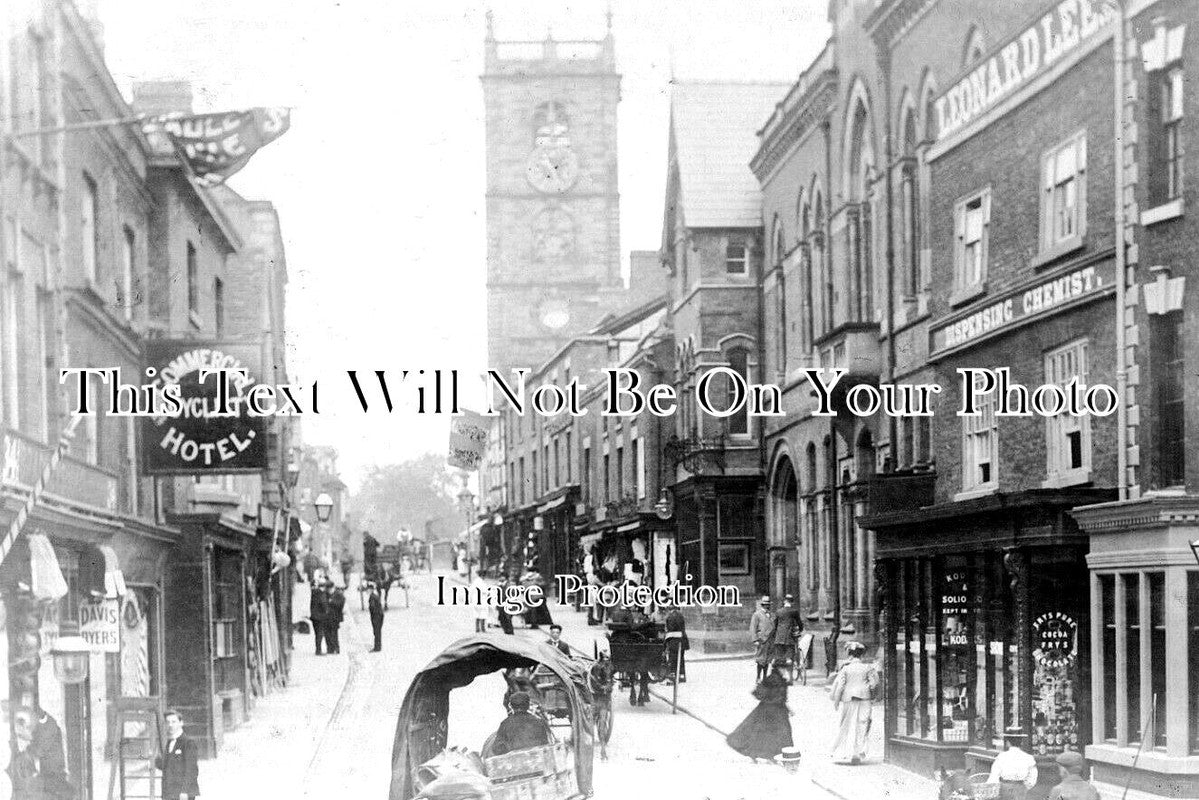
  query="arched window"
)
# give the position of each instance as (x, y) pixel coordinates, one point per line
(551, 125)
(820, 266)
(811, 477)
(909, 201)
(739, 363)
(807, 287)
(972, 53)
(860, 229)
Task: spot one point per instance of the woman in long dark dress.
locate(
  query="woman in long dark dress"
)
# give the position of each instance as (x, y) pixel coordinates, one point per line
(767, 729)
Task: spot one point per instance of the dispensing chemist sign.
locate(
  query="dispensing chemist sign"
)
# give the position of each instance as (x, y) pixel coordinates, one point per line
(211, 433)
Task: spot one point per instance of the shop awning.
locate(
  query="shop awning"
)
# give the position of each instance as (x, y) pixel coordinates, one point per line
(46, 578)
(114, 578)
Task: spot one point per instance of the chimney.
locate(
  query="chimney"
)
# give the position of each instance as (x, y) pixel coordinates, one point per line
(162, 97)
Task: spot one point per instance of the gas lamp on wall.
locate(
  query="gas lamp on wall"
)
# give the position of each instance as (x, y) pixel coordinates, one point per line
(324, 506)
(71, 655)
(664, 508)
(291, 475)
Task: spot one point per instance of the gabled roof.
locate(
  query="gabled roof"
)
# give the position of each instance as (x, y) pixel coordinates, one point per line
(714, 129)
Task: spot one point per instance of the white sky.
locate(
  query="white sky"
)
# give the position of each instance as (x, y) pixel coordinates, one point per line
(379, 183)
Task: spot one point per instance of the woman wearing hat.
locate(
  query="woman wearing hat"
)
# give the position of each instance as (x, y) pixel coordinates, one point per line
(767, 729)
(1014, 770)
(852, 691)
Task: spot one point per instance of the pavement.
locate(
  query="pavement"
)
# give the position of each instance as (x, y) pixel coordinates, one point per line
(330, 734)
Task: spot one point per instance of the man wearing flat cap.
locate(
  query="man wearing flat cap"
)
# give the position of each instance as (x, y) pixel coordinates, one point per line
(521, 729)
(1014, 770)
(1073, 785)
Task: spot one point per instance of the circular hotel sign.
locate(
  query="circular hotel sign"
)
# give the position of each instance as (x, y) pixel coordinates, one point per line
(1055, 638)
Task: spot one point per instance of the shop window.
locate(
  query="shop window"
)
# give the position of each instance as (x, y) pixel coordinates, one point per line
(1130, 661)
(971, 226)
(1164, 112)
(1157, 654)
(1064, 196)
(1107, 604)
(1134, 607)
(980, 440)
(1168, 359)
(1068, 437)
(734, 559)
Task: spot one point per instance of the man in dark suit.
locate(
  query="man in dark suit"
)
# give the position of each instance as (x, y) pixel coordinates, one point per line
(318, 612)
(375, 605)
(555, 640)
(337, 610)
(520, 729)
(178, 762)
(788, 625)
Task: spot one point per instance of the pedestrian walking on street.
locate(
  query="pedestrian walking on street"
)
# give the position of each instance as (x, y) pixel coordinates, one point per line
(1073, 785)
(318, 614)
(337, 608)
(1014, 769)
(178, 762)
(760, 626)
(677, 643)
(767, 729)
(502, 613)
(787, 627)
(375, 606)
(853, 690)
(480, 591)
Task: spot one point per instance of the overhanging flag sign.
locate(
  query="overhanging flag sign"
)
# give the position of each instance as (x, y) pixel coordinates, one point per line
(217, 145)
(468, 440)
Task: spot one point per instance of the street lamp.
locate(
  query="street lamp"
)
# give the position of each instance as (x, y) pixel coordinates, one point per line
(324, 506)
(71, 655)
(292, 476)
(466, 501)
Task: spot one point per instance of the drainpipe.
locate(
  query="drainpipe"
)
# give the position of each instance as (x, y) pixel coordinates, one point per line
(760, 423)
(1121, 278)
(884, 64)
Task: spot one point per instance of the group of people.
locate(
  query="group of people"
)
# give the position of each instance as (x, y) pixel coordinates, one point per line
(775, 635)
(326, 610)
(1015, 770)
(766, 732)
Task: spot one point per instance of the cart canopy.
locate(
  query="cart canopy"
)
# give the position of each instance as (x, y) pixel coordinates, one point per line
(422, 729)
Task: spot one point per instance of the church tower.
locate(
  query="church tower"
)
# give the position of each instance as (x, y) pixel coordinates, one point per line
(553, 206)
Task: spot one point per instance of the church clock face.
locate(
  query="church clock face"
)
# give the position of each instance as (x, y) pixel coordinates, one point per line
(552, 170)
(554, 314)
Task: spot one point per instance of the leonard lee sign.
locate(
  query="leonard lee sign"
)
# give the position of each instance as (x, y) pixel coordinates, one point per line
(204, 436)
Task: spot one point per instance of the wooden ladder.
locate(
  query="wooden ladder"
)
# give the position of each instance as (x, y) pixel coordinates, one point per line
(137, 732)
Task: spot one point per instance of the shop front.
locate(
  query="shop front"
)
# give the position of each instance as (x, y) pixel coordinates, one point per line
(985, 626)
(557, 544)
(206, 625)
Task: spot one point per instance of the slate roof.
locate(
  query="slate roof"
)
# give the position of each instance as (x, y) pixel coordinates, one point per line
(714, 127)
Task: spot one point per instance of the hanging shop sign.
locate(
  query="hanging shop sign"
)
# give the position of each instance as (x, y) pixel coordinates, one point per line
(1054, 636)
(100, 625)
(213, 430)
(1043, 298)
(1061, 30)
(468, 440)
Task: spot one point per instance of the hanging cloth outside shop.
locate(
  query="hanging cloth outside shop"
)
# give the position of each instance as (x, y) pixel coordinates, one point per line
(114, 578)
(46, 578)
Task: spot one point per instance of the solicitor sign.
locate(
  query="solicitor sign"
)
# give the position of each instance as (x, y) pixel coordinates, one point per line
(207, 435)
